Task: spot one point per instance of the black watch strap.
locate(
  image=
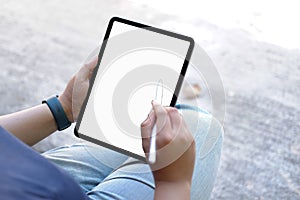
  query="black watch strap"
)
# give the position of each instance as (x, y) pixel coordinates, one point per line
(58, 113)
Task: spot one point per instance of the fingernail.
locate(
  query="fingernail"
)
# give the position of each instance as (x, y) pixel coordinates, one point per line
(144, 123)
(154, 103)
(147, 120)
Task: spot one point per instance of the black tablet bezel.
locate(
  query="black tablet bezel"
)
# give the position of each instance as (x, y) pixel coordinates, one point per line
(176, 92)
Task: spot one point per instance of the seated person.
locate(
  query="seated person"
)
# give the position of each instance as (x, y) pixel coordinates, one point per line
(86, 171)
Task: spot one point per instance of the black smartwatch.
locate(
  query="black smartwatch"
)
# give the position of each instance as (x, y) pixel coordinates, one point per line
(58, 113)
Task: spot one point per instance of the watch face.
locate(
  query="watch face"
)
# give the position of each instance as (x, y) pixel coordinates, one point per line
(58, 113)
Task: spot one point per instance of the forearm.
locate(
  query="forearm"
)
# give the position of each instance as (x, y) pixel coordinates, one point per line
(30, 125)
(169, 190)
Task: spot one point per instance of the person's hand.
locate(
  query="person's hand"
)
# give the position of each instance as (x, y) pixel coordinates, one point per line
(74, 94)
(175, 155)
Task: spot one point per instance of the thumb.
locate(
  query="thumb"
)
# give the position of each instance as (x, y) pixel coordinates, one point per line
(86, 71)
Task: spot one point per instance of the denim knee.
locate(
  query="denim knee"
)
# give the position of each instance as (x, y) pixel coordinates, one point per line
(208, 134)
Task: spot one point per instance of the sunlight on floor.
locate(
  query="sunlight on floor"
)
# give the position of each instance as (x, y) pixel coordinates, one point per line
(275, 22)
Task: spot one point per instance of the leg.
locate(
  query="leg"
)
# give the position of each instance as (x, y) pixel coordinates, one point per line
(87, 164)
(135, 181)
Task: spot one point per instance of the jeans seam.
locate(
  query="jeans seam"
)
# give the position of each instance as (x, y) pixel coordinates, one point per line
(144, 183)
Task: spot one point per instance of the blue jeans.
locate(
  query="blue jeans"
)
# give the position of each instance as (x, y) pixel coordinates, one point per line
(106, 174)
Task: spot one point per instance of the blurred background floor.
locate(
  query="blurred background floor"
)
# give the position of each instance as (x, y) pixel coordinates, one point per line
(42, 43)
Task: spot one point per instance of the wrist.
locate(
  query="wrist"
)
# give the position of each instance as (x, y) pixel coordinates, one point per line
(67, 108)
(58, 113)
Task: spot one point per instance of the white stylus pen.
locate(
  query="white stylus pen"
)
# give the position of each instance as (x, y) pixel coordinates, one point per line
(158, 98)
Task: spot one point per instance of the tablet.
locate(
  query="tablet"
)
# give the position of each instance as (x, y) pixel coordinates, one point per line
(133, 59)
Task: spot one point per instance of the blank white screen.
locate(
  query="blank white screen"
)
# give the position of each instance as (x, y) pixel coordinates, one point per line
(132, 77)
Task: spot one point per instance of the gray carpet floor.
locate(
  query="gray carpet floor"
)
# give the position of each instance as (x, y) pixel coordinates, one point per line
(42, 43)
